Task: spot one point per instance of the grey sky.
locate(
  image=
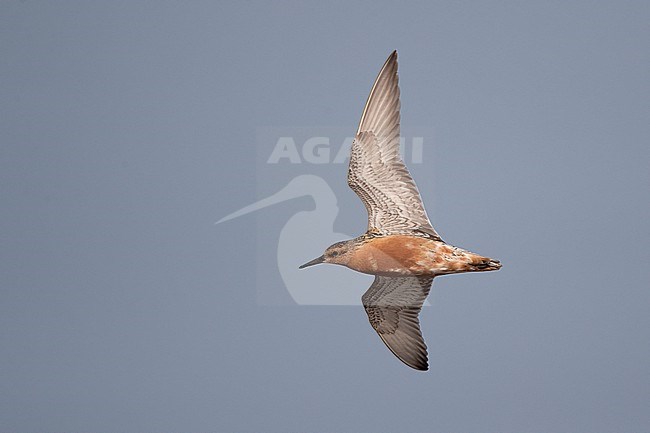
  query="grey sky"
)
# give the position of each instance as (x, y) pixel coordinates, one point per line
(128, 128)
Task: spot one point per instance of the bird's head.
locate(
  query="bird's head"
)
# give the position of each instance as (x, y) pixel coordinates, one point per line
(338, 253)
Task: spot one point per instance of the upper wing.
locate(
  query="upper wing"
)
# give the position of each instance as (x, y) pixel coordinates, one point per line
(393, 305)
(377, 173)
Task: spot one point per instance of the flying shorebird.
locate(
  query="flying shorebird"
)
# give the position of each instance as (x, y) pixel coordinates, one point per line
(400, 247)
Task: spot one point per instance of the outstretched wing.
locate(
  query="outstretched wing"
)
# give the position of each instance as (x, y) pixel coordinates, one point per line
(377, 173)
(393, 305)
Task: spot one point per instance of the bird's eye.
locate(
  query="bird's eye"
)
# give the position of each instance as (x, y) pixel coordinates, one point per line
(334, 253)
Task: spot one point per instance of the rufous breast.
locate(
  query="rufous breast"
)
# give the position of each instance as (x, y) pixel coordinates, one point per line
(396, 255)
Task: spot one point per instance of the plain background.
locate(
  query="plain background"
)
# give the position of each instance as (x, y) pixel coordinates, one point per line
(128, 128)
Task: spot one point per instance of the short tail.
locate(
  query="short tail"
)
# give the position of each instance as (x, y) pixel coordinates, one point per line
(486, 264)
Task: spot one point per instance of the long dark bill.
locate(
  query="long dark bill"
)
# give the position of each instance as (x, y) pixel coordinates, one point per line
(316, 261)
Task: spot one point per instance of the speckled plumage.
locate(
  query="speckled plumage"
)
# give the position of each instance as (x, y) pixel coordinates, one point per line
(401, 247)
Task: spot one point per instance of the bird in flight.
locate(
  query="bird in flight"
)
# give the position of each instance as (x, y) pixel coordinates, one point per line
(400, 248)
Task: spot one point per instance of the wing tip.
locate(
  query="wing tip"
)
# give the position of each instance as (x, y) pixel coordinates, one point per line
(418, 362)
(422, 365)
(392, 58)
(389, 65)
